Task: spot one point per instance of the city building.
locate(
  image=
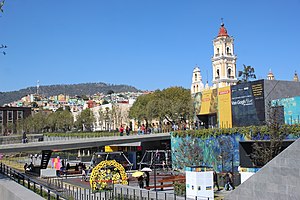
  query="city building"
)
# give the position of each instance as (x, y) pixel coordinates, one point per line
(197, 84)
(227, 104)
(270, 75)
(10, 116)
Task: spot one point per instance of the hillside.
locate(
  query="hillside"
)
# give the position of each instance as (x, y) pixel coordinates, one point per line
(72, 89)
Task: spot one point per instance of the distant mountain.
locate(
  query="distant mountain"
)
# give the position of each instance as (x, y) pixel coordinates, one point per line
(68, 89)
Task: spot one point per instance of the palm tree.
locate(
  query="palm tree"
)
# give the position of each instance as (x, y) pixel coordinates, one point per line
(247, 74)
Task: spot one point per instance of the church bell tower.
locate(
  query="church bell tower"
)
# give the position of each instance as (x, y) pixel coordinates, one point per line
(224, 60)
(197, 84)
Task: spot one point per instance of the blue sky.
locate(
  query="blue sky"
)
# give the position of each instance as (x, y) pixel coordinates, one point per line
(149, 44)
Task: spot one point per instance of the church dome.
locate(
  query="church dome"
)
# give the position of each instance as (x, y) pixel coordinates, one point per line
(222, 31)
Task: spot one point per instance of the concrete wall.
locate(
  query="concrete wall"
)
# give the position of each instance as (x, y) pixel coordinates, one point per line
(13, 191)
(279, 179)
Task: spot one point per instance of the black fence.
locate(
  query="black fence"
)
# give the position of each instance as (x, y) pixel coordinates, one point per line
(27, 182)
(58, 189)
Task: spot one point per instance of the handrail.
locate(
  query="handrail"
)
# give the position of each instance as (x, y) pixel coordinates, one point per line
(26, 181)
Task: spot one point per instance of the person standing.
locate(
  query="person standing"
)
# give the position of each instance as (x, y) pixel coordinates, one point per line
(127, 130)
(141, 181)
(83, 173)
(121, 130)
(24, 138)
(143, 129)
(147, 179)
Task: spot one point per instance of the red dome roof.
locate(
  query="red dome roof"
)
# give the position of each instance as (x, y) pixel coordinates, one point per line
(222, 31)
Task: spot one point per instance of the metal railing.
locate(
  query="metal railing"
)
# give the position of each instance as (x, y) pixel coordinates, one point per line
(30, 184)
(64, 190)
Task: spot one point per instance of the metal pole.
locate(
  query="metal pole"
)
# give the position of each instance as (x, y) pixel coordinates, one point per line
(232, 169)
(154, 174)
(49, 194)
(77, 193)
(41, 190)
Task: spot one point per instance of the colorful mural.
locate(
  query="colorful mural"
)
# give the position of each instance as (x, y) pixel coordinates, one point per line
(291, 109)
(219, 152)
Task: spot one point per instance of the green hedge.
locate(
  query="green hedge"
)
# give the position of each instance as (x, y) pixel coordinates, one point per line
(82, 134)
(246, 131)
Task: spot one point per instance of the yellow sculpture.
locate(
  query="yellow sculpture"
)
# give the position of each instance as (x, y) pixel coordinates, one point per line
(106, 173)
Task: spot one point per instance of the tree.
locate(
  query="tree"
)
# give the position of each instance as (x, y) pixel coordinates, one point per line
(61, 120)
(264, 151)
(247, 74)
(85, 120)
(173, 104)
(34, 123)
(138, 109)
(105, 102)
(110, 92)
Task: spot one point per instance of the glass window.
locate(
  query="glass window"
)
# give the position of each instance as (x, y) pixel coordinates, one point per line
(10, 116)
(1, 116)
(229, 72)
(20, 114)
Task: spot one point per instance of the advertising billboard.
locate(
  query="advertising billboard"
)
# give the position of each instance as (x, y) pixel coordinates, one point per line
(224, 105)
(247, 104)
(197, 102)
(208, 102)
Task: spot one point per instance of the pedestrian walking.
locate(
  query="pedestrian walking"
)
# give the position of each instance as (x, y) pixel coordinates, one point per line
(216, 180)
(127, 130)
(228, 182)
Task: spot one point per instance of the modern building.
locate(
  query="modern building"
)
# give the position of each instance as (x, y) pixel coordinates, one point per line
(10, 116)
